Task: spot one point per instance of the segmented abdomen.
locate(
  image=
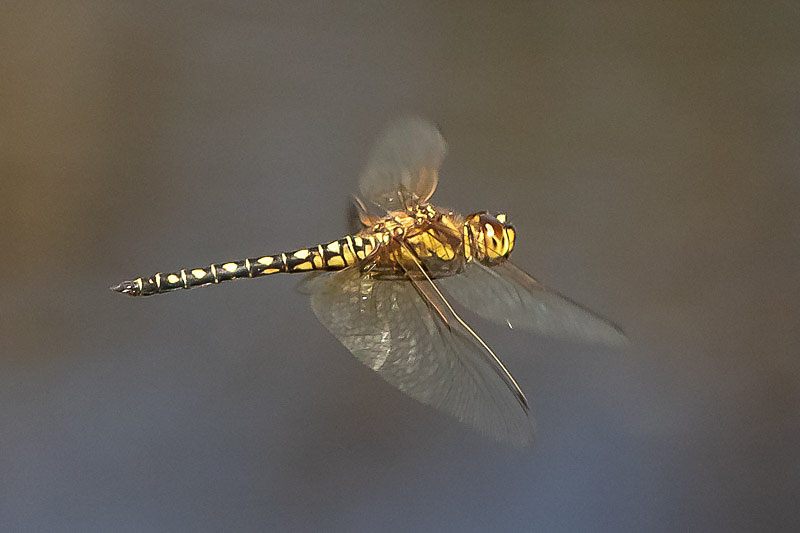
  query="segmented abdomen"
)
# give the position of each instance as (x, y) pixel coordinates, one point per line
(334, 255)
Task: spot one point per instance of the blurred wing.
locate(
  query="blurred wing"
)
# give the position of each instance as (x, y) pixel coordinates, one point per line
(403, 167)
(392, 328)
(507, 295)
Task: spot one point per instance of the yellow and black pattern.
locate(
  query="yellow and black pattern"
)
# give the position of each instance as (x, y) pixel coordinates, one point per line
(334, 255)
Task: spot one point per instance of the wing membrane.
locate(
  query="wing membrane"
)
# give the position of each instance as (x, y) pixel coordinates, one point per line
(403, 167)
(505, 294)
(411, 340)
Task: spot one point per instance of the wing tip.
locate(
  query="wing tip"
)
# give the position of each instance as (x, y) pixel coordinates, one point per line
(615, 337)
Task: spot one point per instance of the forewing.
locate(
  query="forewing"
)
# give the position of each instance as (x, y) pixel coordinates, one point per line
(507, 295)
(403, 168)
(390, 328)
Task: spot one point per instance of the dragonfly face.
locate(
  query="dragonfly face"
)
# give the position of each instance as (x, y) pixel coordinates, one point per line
(385, 292)
(488, 239)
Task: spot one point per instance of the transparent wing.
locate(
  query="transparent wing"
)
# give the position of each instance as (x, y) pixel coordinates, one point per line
(507, 295)
(391, 327)
(403, 167)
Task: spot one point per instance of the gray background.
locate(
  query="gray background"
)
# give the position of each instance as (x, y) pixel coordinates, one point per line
(648, 154)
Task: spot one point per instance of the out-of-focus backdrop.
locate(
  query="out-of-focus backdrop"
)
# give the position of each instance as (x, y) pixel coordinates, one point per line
(647, 153)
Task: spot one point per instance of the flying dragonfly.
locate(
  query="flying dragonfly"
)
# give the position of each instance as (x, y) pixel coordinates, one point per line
(385, 292)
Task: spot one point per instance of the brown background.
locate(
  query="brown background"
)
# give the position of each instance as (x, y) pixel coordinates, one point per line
(648, 154)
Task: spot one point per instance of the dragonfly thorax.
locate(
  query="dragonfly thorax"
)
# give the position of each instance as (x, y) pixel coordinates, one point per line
(397, 224)
(419, 237)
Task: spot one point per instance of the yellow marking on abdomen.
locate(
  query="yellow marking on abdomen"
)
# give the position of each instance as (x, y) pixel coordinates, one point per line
(173, 278)
(334, 247)
(303, 267)
(230, 267)
(301, 254)
(214, 273)
(336, 261)
(183, 278)
(382, 237)
(317, 259)
(158, 281)
(266, 261)
(271, 270)
(347, 251)
(199, 273)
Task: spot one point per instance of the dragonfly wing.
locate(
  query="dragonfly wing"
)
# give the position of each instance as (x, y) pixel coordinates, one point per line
(393, 329)
(403, 168)
(507, 295)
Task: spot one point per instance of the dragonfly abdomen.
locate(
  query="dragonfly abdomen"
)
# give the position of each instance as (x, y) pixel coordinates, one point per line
(334, 255)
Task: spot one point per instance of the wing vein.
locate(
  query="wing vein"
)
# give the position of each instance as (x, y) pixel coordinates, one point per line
(505, 374)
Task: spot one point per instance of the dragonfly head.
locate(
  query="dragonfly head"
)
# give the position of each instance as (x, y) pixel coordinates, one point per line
(488, 239)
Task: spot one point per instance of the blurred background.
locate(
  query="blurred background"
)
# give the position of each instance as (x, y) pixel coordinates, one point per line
(648, 154)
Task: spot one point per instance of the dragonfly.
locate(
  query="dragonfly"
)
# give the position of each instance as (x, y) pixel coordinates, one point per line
(389, 292)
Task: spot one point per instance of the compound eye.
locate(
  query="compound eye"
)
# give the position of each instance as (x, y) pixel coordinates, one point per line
(491, 226)
(494, 236)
